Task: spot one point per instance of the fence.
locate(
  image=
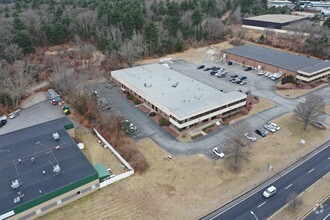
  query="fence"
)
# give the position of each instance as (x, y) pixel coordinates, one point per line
(120, 176)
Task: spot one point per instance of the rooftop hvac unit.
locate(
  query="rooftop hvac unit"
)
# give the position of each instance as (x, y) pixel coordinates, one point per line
(56, 169)
(56, 136)
(15, 184)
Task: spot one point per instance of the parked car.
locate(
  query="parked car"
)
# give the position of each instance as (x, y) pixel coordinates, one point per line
(14, 114)
(275, 126)
(200, 67)
(319, 125)
(270, 128)
(128, 127)
(216, 68)
(3, 122)
(4, 117)
(207, 69)
(247, 68)
(250, 137)
(270, 75)
(218, 152)
(238, 81)
(243, 77)
(270, 191)
(229, 62)
(234, 80)
(260, 132)
(242, 83)
(213, 72)
(261, 73)
(222, 74)
(234, 76)
(267, 74)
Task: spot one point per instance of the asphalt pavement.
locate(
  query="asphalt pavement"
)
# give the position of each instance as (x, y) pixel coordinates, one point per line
(320, 211)
(292, 181)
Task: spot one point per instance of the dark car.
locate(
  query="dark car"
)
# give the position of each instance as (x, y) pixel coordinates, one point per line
(247, 68)
(238, 81)
(234, 76)
(3, 122)
(207, 69)
(243, 77)
(213, 72)
(216, 68)
(200, 67)
(260, 132)
(230, 62)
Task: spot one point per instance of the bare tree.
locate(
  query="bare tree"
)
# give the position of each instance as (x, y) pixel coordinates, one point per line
(239, 36)
(294, 202)
(132, 49)
(12, 52)
(311, 109)
(236, 144)
(16, 80)
(213, 25)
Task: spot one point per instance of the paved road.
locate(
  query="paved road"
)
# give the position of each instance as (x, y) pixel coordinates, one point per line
(320, 212)
(259, 85)
(294, 181)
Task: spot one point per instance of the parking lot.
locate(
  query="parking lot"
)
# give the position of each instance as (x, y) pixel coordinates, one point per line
(254, 83)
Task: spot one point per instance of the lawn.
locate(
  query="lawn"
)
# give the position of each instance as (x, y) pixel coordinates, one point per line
(187, 187)
(327, 109)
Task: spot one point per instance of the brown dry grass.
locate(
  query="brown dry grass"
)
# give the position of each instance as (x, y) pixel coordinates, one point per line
(96, 153)
(262, 105)
(327, 109)
(294, 93)
(193, 55)
(188, 187)
(312, 196)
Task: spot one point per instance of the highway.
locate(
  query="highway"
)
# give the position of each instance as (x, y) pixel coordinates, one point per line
(255, 206)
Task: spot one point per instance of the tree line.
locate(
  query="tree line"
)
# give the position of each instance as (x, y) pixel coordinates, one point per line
(129, 28)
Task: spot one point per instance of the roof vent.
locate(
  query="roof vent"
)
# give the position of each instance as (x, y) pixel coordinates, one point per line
(56, 136)
(15, 184)
(56, 169)
(175, 84)
(145, 85)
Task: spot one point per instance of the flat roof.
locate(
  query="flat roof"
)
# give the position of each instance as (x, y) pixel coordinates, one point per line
(187, 98)
(317, 67)
(276, 18)
(37, 142)
(274, 57)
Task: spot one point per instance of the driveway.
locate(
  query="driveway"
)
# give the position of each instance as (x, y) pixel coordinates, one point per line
(258, 85)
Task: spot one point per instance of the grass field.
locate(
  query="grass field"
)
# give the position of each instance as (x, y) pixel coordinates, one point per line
(191, 186)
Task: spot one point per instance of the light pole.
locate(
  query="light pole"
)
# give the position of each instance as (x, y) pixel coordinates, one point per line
(254, 215)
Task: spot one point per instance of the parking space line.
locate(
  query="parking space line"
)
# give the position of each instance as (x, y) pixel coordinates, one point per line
(261, 204)
(288, 186)
(311, 170)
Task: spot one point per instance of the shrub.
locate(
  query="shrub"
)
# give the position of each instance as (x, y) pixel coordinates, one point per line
(163, 122)
(152, 114)
(256, 98)
(288, 79)
(129, 96)
(137, 102)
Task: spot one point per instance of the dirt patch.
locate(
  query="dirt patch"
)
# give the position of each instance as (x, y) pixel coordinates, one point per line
(294, 93)
(310, 198)
(327, 109)
(33, 99)
(193, 55)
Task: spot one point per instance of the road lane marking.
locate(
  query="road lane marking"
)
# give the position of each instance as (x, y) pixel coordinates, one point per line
(326, 216)
(288, 186)
(311, 170)
(261, 204)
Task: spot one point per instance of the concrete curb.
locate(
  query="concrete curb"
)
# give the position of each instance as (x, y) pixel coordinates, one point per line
(274, 214)
(245, 195)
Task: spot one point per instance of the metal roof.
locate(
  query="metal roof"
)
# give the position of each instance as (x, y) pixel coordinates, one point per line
(276, 18)
(316, 67)
(182, 95)
(16, 152)
(274, 57)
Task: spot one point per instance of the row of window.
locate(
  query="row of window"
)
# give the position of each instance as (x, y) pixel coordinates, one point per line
(208, 112)
(310, 76)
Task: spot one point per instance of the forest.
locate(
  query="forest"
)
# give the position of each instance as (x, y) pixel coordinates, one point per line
(131, 29)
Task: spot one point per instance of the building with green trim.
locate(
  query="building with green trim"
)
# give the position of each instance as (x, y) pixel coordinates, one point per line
(41, 169)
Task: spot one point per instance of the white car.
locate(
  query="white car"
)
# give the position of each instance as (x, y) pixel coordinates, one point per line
(218, 152)
(267, 74)
(261, 73)
(275, 126)
(14, 114)
(270, 191)
(270, 128)
(250, 137)
(242, 83)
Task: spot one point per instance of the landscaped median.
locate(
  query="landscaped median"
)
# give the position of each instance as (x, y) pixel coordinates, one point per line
(188, 187)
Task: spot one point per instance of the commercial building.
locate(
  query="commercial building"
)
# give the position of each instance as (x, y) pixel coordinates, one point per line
(306, 69)
(274, 21)
(41, 168)
(182, 100)
(282, 3)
